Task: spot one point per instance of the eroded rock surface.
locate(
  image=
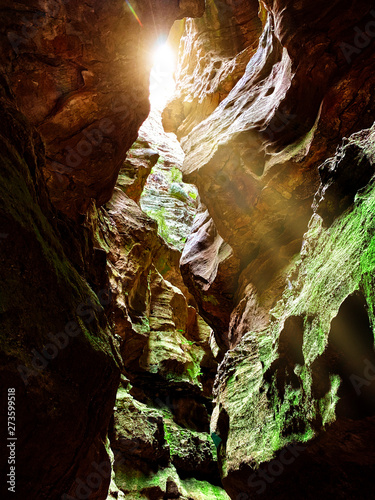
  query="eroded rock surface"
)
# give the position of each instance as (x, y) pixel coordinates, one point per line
(80, 74)
(161, 421)
(165, 198)
(307, 397)
(255, 158)
(214, 51)
(210, 271)
(260, 117)
(53, 321)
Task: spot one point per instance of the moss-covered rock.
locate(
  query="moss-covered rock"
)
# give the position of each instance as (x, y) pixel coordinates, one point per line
(192, 453)
(303, 380)
(52, 325)
(138, 430)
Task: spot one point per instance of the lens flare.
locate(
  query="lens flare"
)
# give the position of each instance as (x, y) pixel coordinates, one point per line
(133, 12)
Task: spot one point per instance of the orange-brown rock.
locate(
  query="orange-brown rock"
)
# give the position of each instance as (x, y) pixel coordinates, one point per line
(255, 158)
(214, 51)
(80, 74)
(210, 271)
(58, 354)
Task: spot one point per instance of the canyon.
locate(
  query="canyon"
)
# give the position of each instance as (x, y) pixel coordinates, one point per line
(187, 299)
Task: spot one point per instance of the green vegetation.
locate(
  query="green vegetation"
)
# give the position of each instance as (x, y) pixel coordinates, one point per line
(335, 262)
(177, 191)
(175, 175)
(159, 217)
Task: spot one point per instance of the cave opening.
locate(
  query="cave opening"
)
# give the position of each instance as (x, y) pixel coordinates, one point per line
(162, 78)
(352, 344)
(172, 203)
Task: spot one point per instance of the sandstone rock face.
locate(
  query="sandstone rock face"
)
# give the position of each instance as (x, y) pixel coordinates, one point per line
(136, 168)
(311, 368)
(254, 181)
(80, 74)
(210, 271)
(160, 434)
(255, 157)
(165, 198)
(214, 51)
(52, 323)
(272, 313)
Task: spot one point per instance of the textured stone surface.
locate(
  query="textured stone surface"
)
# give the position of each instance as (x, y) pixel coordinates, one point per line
(153, 316)
(294, 409)
(51, 320)
(214, 51)
(254, 159)
(138, 431)
(80, 75)
(155, 486)
(210, 271)
(136, 168)
(167, 353)
(168, 200)
(306, 378)
(192, 453)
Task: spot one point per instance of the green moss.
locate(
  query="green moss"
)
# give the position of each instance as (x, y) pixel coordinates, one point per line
(210, 298)
(143, 327)
(44, 265)
(334, 262)
(175, 175)
(202, 490)
(160, 217)
(328, 403)
(136, 484)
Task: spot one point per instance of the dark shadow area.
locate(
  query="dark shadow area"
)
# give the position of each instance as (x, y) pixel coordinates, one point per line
(290, 355)
(350, 354)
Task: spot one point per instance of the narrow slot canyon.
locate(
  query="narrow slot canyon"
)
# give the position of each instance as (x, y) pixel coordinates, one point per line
(187, 249)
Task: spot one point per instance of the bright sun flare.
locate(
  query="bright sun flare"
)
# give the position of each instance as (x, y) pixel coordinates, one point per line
(162, 82)
(164, 58)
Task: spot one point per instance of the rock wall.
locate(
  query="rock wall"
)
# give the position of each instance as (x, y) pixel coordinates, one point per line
(308, 394)
(57, 348)
(80, 74)
(264, 338)
(299, 327)
(74, 91)
(214, 51)
(160, 428)
(165, 198)
(255, 158)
